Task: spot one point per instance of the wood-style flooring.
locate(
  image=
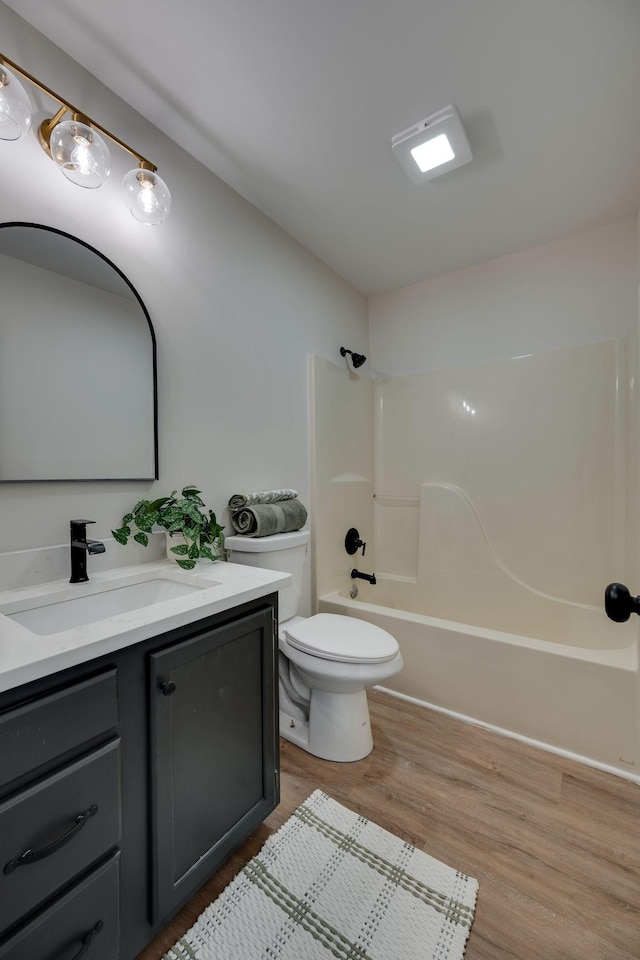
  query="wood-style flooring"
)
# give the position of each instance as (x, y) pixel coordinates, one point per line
(554, 844)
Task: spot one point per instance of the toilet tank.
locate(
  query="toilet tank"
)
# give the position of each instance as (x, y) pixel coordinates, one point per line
(285, 552)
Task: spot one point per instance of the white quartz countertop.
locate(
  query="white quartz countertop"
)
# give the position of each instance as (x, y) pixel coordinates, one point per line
(26, 656)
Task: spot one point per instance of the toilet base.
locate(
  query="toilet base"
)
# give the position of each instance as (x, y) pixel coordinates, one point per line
(338, 728)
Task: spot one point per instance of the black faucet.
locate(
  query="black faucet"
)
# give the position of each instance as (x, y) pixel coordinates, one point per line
(80, 547)
(356, 575)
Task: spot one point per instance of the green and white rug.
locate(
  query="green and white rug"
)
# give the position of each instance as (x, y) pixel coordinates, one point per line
(331, 884)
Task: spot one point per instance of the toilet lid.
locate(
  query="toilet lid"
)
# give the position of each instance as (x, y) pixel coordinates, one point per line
(334, 637)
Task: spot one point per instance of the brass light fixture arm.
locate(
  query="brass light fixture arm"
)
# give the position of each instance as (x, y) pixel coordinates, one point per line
(48, 125)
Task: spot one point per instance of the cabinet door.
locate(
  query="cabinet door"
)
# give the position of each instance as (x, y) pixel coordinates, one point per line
(214, 751)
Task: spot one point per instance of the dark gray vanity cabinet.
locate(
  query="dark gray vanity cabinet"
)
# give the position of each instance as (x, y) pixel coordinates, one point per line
(213, 756)
(133, 777)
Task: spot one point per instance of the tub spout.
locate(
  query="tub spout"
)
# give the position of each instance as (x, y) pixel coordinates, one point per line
(356, 575)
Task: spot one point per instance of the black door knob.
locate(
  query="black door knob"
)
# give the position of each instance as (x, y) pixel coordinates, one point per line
(168, 688)
(619, 604)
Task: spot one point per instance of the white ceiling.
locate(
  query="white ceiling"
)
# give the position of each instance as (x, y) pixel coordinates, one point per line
(294, 103)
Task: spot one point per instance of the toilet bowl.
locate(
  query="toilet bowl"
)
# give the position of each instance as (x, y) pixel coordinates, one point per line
(326, 662)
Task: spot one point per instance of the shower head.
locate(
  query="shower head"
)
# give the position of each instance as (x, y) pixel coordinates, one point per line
(357, 359)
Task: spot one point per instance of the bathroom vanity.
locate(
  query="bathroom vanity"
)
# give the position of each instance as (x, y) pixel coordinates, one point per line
(140, 753)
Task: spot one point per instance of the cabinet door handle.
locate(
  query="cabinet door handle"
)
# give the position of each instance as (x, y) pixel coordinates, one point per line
(168, 688)
(32, 856)
(87, 940)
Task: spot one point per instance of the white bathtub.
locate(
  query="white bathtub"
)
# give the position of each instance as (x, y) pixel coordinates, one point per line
(579, 700)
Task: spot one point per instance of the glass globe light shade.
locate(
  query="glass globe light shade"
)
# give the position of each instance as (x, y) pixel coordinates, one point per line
(147, 196)
(15, 107)
(81, 153)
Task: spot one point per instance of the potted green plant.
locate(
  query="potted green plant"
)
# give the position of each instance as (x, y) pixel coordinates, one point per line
(185, 514)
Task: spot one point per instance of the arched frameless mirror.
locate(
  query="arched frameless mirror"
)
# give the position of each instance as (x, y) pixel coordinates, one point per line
(78, 389)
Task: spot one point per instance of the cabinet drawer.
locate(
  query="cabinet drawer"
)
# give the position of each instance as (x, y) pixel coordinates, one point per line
(61, 931)
(43, 729)
(59, 826)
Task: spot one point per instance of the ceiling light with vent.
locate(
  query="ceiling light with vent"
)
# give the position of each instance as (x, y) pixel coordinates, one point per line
(433, 146)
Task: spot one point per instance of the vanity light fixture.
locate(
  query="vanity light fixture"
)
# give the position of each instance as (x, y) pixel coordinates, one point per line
(15, 109)
(433, 146)
(77, 145)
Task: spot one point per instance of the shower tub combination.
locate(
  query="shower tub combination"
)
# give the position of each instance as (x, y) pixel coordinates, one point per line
(499, 500)
(571, 685)
(578, 699)
(575, 699)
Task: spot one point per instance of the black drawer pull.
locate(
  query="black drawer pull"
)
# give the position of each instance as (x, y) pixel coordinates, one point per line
(88, 940)
(32, 856)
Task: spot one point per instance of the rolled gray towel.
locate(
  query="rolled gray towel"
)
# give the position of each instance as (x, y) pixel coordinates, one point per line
(240, 500)
(265, 519)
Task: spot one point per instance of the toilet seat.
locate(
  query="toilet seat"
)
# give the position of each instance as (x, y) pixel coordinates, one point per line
(331, 636)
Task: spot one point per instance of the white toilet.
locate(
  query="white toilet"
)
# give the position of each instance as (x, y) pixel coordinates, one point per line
(326, 661)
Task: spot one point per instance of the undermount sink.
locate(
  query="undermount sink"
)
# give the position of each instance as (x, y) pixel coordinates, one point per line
(48, 614)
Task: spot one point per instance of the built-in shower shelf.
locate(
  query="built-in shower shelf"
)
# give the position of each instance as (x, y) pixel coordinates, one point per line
(350, 478)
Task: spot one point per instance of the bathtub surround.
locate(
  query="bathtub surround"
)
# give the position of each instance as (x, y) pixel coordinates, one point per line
(498, 512)
(341, 447)
(507, 481)
(333, 883)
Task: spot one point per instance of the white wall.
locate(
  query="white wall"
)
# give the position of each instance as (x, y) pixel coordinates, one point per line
(574, 291)
(237, 305)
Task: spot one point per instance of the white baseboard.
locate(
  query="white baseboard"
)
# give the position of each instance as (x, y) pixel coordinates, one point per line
(587, 761)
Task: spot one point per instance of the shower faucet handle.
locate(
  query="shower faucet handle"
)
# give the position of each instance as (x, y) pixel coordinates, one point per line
(352, 542)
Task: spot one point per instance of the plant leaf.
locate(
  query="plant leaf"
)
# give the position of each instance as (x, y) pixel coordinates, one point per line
(121, 535)
(181, 550)
(141, 538)
(194, 551)
(186, 564)
(189, 509)
(157, 504)
(145, 523)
